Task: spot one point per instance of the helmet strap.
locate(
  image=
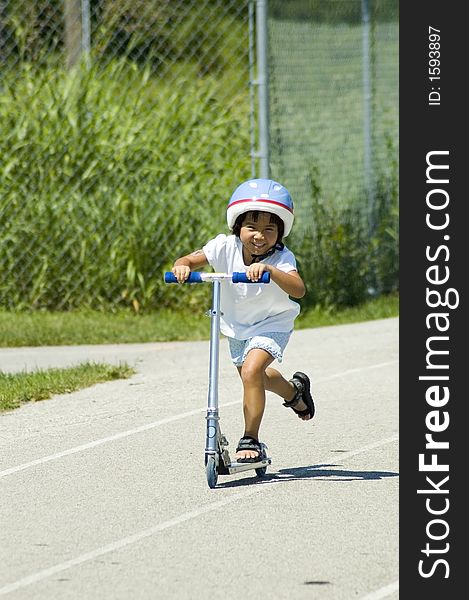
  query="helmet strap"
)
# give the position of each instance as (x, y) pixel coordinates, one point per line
(258, 257)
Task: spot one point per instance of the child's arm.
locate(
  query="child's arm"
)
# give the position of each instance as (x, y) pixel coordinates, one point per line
(290, 282)
(184, 265)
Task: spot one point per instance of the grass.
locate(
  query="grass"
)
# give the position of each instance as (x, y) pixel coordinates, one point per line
(42, 328)
(383, 307)
(92, 327)
(18, 388)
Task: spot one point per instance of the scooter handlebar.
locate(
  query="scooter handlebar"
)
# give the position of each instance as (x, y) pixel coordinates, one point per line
(195, 277)
(241, 277)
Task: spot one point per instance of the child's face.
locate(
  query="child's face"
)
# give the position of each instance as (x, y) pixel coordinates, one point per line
(258, 235)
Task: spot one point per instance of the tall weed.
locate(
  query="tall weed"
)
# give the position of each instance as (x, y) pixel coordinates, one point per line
(346, 258)
(102, 186)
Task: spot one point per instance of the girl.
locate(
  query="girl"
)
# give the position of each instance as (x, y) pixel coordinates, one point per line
(257, 319)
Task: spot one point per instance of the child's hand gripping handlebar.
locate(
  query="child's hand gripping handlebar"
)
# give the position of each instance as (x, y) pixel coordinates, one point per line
(196, 277)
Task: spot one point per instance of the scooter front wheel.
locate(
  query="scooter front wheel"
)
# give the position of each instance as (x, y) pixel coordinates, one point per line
(211, 470)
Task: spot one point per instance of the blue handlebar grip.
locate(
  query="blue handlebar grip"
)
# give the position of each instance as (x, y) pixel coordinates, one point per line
(194, 277)
(242, 278)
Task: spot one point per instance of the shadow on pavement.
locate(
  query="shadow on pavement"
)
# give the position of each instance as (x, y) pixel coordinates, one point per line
(320, 472)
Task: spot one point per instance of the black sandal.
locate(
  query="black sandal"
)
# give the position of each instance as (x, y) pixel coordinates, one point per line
(302, 385)
(249, 443)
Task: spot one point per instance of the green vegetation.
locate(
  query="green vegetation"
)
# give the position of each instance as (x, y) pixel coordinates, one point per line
(384, 307)
(18, 388)
(41, 328)
(117, 193)
(343, 259)
(109, 172)
(111, 169)
(124, 180)
(206, 36)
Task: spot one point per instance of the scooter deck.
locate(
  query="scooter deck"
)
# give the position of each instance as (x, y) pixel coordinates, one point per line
(238, 467)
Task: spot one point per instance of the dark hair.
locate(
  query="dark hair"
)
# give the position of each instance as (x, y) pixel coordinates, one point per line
(255, 216)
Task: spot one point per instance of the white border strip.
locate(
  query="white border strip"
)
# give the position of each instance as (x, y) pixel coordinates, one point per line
(383, 592)
(148, 426)
(357, 370)
(111, 438)
(132, 539)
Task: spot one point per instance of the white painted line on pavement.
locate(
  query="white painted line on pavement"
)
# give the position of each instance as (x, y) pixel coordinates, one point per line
(136, 537)
(105, 440)
(343, 373)
(383, 592)
(131, 539)
(154, 424)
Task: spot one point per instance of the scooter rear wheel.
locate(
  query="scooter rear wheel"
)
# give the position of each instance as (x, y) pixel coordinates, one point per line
(261, 471)
(211, 470)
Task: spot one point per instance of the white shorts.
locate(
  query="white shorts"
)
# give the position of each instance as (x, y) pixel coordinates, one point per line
(274, 343)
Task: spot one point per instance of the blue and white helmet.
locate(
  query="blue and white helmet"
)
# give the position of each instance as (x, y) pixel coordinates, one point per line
(261, 194)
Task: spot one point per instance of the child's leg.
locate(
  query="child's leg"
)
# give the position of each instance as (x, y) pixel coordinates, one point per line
(275, 382)
(257, 377)
(253, 376)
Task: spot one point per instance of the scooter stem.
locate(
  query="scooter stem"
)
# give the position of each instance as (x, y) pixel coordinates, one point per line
(212, 406)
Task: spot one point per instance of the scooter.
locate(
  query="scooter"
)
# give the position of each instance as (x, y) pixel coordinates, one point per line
(217, 457)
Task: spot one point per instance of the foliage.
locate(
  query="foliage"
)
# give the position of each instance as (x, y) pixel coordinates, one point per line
(103, 183)
(144, 32)
(139, 30)
(346, 258)
(99, 196)
(108, 173)
(54, 328)
(384, 243)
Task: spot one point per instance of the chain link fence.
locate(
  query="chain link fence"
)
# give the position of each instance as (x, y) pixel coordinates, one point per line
(126, 124)
(334, 99)
(199, 37)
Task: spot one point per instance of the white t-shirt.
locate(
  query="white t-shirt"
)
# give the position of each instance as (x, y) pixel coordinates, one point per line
(250, 309)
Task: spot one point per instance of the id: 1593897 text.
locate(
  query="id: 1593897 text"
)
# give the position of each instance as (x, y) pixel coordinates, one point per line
(434, 97)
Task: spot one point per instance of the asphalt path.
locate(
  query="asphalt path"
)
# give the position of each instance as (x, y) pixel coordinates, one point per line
(104, 494)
